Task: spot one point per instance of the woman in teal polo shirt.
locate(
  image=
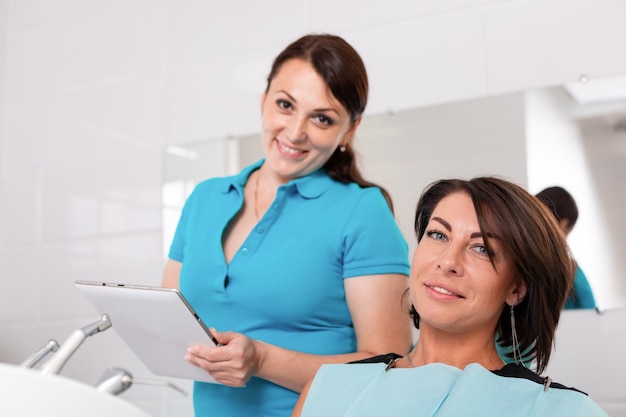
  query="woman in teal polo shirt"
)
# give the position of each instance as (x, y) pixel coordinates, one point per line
(564, 208)
(296, 261)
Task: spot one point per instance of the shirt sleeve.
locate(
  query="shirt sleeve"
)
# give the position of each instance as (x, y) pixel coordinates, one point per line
(373, 243)
(177, 247)
(582, 289)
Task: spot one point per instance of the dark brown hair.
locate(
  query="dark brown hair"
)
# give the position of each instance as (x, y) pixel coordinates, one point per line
(343, 71)
(561, 204)
(534, 244)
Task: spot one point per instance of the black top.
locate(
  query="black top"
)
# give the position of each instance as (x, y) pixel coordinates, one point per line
(510, 370)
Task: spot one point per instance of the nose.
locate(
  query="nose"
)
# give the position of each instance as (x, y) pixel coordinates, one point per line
(451, 260)
(296, 129)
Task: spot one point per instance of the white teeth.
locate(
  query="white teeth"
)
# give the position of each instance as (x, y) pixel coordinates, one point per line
(442, 290)
(288, 150)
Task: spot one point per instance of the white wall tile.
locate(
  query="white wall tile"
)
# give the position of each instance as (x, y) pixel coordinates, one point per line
(199, 31)
(25, 13)
(21, 290)
(94, 41)
(132, 259)
(26, 66)
(93, 194)
(439, 59)
(348, 16)
(19, 341)
(25, 135)
(20, 207)
(225, 103)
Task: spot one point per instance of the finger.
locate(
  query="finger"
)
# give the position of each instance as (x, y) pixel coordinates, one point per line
(196, 361)
(211, 354)
(226, 376)
(222, 337)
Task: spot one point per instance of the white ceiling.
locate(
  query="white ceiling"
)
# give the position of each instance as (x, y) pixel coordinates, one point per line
(602, 100)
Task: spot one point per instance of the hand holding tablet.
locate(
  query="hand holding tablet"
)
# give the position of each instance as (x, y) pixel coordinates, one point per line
(157, 323)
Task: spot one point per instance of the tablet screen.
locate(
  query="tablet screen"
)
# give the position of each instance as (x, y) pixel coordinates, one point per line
(157, 323)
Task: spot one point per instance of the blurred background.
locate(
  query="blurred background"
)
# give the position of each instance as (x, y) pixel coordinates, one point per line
(111, 110)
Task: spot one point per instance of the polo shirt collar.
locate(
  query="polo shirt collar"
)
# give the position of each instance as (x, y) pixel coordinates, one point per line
(238, 181)
(314, 184)
(310, 186)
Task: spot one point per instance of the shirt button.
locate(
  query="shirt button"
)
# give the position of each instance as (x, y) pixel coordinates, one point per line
(260, 229)
(275, 206)
(244, 251)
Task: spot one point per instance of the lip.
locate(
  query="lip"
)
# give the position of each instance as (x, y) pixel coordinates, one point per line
(442, 291)
(289, 151)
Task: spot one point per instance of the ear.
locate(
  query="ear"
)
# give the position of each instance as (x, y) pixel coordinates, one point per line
(262, 101)
(517, 293)
(349, 135)
(564, 224)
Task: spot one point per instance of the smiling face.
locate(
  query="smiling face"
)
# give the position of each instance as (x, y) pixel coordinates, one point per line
(454, 285)
(303, 124)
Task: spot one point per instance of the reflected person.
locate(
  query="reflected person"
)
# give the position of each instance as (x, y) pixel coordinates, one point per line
(284, 258)
(564, 208)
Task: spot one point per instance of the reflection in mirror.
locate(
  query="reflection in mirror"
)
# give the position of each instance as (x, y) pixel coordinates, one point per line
(536, 138)
(575, 139)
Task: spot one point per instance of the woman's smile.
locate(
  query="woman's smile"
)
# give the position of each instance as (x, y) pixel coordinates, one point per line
(303, 123)
(288, 150)
(457, 285)
(441, 291)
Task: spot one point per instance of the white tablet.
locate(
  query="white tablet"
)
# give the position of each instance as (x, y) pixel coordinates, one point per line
(157, 323)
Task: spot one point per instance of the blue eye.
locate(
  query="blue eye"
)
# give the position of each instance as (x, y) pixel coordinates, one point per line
(434, 234)
(481, 250)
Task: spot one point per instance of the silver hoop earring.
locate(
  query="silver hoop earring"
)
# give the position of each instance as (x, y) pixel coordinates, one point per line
(517, 354)
(342, 148)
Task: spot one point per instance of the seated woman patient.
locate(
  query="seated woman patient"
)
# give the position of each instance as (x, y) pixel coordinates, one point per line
(491, 264)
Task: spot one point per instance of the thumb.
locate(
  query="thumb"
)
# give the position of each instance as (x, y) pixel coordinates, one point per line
(222, 338)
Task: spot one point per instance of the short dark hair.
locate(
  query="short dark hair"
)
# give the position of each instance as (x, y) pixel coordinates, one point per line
(536, 247)
(561, 204)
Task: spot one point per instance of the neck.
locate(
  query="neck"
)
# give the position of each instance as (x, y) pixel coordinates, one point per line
(263, 192)
(458, 350)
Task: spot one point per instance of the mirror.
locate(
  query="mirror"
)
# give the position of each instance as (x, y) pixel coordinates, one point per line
(537, 138)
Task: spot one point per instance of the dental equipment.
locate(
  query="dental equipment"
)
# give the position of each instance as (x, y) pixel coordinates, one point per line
(117, 380)
(72, 343)
(32, 360)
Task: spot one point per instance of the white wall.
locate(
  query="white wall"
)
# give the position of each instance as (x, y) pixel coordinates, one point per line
(577, 362)
(3, 81)
(94, 90)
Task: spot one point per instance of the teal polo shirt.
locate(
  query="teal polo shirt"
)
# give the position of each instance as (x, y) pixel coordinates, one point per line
(285, 284)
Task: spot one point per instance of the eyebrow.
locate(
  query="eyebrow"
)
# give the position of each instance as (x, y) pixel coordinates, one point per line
(330, 109)
(448, 227)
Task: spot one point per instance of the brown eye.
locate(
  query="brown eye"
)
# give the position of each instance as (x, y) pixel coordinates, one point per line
(324, 119)
(283, 104)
